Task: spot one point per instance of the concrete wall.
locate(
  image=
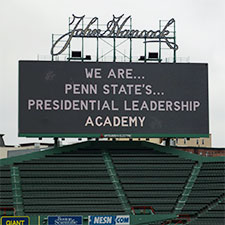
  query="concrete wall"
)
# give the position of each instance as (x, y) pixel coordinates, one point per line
(15, 151)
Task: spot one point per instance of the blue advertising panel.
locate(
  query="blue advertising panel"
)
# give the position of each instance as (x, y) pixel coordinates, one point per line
(15, 220)
(109, 220)
(65, 220)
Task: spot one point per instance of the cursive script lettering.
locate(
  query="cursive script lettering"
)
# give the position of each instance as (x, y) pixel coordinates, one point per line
(114, 29)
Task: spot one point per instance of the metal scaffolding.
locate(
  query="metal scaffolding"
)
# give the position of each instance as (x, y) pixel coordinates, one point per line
(114, 47)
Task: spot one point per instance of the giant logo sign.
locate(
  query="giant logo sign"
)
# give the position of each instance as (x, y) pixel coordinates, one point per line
(122, 99)
(15, 220)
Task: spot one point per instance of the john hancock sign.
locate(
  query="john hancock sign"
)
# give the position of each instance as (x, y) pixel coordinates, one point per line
(115, 28)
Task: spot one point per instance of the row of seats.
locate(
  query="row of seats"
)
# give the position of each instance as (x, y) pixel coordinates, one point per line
(68, 184)
(151, 178)
(6, 195)
(216, 216)
(78, 182)
(209, 187)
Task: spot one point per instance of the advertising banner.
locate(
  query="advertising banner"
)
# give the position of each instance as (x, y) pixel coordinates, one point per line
(15, 220)
(65, 220)
(109, 220)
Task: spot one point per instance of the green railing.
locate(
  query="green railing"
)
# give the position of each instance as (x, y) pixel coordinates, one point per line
(116, 182)
(17, 191)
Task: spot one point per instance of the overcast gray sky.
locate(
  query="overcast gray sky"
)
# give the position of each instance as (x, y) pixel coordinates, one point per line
(27, 26)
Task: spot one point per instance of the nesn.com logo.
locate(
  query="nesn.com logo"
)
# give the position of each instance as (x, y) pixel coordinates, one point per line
(109, 220)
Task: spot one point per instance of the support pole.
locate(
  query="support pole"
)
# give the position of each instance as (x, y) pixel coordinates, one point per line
(130, 41)
(82, 52)
(145, 50)
(97, 53)
(167, 142)
(174, 51)
(56, 142)
(160, 48)
(69, 44)
(114, 49)
(52, 45)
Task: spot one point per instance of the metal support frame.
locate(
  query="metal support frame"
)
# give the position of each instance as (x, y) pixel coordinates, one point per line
(97, 43)
(145, 50)
(52, 45)
(69, 51)
(7, 209)
(181, 219)
(130, 41)
(82, 39)
(115, 46)
(160, 48)
(56, 142)
(168, 141)
(161, 23)
(114, 49)
(144, 209)
(174, 51)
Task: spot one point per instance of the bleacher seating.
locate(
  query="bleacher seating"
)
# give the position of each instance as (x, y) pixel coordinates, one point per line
(209, 187)
(151, 178)
(6, 195)
(68, 183)
(81, 182)
(215, 216)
